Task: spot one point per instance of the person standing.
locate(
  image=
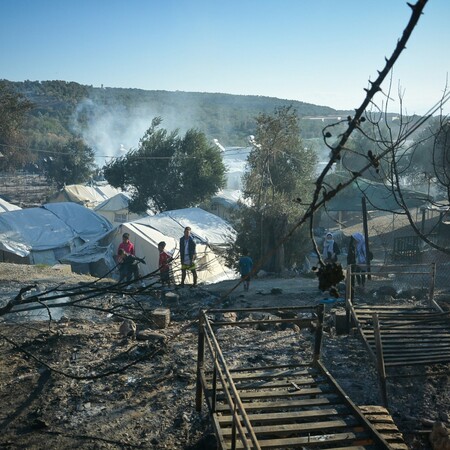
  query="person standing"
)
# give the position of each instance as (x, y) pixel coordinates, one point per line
(330, 249)
(128, 266)
(356, 257)
(126, 245)
(188, 256)
(164, 264)
(126, 249)
(245, 268)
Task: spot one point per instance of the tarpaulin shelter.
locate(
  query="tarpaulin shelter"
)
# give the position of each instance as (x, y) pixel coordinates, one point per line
(44, 235)
(210, 232)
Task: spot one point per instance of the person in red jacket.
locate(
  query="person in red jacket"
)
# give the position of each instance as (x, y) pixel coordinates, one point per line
(126, 245)
(164, 264)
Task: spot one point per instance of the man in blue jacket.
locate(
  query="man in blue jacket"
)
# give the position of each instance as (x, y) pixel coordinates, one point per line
(188, 256)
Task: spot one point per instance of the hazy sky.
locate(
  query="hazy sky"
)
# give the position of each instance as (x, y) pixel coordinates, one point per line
(317, 51)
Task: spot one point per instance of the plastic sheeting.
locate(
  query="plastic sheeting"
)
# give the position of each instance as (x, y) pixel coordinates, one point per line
(206, 227)
(49, 227)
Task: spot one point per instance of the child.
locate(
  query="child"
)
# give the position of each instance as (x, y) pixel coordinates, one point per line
(128, 266)
(245, 268)
(330, 249)
(164, 264)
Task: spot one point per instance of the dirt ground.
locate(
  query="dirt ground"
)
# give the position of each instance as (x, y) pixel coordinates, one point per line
(77, 382)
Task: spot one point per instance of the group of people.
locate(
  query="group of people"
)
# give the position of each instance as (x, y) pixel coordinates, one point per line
(356, 255)
(127, 260)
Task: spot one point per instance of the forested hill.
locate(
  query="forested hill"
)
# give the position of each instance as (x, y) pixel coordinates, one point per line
(64, 108)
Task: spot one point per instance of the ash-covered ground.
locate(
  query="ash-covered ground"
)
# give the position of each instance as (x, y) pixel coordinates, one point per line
(78, 381)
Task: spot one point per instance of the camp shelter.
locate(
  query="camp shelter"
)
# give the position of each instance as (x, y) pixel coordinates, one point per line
(6, 206)
(116, 209)
(89, 196)
(45, 234)
(378, 197)
(224, 203)
(211, 233)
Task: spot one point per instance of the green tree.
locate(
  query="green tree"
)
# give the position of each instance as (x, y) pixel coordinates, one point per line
(70, 163)
(278, 183)
(13, 110)
(167, 171)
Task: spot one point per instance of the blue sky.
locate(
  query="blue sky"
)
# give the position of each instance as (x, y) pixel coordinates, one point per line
(317, 51)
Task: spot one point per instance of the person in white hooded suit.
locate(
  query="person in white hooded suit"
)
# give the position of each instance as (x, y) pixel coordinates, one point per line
(356, 257)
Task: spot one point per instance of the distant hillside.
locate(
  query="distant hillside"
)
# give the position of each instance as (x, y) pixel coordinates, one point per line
(113, 120)
(64, 108)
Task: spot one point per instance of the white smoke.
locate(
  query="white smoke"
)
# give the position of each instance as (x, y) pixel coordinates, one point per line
(112, 130)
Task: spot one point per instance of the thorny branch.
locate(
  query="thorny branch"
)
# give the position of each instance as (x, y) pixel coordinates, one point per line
(353, 123)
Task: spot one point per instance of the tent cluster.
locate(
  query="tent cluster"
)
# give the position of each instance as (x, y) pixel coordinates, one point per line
(69, 232)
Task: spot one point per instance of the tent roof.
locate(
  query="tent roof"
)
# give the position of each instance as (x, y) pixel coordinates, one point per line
(50, 226)
(79, 193)
(6, 206)
(115, 203)
(118, 202)
(378, 197)
(207, 227)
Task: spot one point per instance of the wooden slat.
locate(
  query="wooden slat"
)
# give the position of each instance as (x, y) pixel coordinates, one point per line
(276, 384)
(258, 394)
(309, 427)
(289, 404)
(282, 416)
(313, 441)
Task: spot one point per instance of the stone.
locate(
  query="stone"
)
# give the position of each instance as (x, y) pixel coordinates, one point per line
(340, 322)
(439, 437)
(149, 335)
(171, 297)
(160, 317)
(127, 328)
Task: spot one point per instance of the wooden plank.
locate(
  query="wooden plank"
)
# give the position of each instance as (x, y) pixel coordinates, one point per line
(274, 384)
(413, 339)
(311, 441)
(283, 416)
(311, 427)
(282, 393)
(375, 418)
(414, 362)
(276, 405)
(270, 374)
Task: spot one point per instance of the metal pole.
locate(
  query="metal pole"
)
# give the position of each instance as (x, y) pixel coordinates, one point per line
(319, 332)
(366, 235)
(432, 284)
(380, 359)
(200, 361)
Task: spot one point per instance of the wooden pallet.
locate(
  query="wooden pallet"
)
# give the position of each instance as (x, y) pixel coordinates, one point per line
(403, 336)
(297, 407)
(381, 419)
(409, 335)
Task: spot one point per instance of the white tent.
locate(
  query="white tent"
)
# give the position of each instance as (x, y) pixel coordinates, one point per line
(89, 196)
(210, 232)
(6, 206)
(115, 209)
(44, 235)
(206, 227)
